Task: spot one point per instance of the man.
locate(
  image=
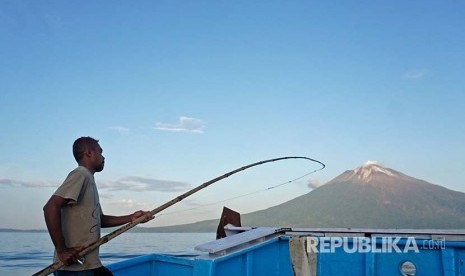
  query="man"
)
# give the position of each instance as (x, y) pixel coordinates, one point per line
(73, 214)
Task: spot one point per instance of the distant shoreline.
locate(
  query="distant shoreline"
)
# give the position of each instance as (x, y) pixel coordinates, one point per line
(109, 230)
(21, 230)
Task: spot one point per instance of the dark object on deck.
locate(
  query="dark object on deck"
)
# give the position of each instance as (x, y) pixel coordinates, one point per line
(227, 217)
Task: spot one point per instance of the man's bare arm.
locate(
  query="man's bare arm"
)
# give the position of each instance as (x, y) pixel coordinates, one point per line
(52, 214)
(111, 221)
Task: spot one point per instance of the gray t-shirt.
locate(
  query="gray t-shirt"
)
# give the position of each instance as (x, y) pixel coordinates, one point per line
(80, 219)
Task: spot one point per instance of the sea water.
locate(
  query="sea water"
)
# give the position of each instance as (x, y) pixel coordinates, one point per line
(24, 253)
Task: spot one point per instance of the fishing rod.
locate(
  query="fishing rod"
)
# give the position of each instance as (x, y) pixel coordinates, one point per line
(84, 251)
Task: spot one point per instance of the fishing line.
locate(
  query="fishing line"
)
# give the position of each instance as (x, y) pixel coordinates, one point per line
(246, 194)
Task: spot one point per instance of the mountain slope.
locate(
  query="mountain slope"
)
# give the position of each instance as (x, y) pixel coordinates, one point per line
(369, 196)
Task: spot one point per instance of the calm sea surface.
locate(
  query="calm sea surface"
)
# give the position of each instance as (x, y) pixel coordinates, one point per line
(24, 253)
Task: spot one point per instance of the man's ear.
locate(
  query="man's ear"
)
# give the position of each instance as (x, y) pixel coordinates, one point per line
(88, 153)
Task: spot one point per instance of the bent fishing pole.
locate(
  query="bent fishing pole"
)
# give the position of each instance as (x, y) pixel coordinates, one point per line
(57, 265)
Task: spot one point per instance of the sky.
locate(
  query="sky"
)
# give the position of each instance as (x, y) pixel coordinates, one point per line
(180, 92)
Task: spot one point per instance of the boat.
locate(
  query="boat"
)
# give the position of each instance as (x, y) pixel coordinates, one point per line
(312, 251)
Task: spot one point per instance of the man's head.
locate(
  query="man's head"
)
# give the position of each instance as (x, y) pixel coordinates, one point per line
(88, 153)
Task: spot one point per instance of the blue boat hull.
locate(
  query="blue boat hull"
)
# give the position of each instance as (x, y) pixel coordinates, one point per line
(271, 256)
(268, 258)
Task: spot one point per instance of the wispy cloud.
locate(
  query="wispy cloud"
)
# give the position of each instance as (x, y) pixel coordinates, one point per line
(142, 184)
(417, 74)
(185, 124)
(194, 203)
(129, 204)
(6, 182)
(119, 129)
(129, 183)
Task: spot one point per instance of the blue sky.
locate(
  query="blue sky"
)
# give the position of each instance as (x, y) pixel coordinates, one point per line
(179, 92)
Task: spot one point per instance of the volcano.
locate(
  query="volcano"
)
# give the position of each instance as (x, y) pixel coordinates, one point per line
(369, 196)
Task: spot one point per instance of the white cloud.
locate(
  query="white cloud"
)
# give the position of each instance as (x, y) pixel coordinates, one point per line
(370, 162)
(129, 204)
(142, 184)
(186, 124)
(314, 183)
(418, 74)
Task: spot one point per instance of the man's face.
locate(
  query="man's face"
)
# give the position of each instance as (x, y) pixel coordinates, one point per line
(98, 159)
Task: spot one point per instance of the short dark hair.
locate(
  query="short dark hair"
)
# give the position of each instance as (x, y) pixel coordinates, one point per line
(81, 145)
